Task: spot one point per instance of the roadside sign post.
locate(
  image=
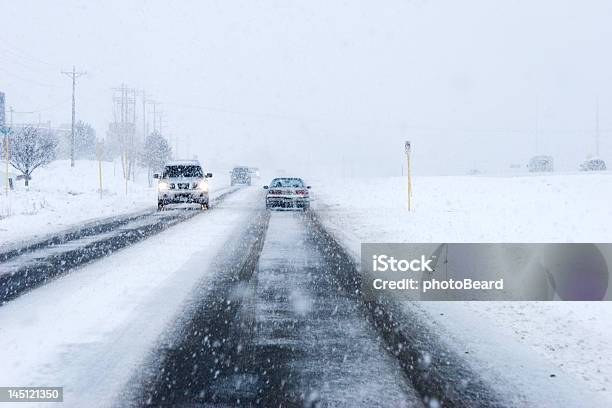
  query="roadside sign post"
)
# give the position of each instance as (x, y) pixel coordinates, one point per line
(126, 173)
(99, 154)
(407, 148)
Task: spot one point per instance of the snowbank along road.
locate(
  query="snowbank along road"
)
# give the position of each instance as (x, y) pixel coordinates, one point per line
(25, 267)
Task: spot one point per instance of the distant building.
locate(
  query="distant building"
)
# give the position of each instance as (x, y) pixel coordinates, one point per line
(2, 114)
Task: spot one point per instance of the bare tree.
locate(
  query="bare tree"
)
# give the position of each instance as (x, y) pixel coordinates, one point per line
(30, 148)
(84, 141)
(155, 153)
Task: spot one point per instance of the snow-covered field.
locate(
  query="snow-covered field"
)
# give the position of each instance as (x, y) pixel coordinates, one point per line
(60, 197)
(522, 342)
(555, 208)
(88, 330)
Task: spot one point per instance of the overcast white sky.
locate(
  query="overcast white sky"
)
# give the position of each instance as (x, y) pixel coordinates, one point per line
(335, 85)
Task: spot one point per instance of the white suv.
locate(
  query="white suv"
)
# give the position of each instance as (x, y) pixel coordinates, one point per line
(182, 182)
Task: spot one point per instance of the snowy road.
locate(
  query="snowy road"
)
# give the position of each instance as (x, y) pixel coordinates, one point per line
(241, 306)
(284, 333)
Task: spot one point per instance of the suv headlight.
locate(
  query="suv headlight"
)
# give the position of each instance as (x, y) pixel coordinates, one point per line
(203, 185)
(163, 185)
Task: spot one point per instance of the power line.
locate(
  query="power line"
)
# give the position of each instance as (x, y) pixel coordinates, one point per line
(15, 58)
(30, 81)
(240, 112)
(124, 126)
(17, 51)
(46, 108)
(52, 106)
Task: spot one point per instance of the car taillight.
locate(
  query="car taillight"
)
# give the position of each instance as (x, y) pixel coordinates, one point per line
(302, 192)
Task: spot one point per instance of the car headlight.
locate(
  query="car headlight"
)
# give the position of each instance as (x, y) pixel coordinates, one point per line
(203, 185)
(163, 186)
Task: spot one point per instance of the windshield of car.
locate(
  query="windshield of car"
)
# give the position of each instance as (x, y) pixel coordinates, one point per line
(183, 171)
(240, 171)
(287, 182)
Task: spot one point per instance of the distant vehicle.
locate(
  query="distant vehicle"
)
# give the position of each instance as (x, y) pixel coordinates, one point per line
(240, 176)
(539, 164)
(254, 172)
(287, 192)
(593, 164)
(182, 182)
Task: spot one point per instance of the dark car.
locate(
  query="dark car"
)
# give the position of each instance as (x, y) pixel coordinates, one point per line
(288, 192)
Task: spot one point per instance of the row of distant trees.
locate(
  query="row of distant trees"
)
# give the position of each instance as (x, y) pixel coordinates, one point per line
(31, 147)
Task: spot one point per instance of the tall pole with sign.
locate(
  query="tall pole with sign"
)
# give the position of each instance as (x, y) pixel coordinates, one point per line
(407, 149)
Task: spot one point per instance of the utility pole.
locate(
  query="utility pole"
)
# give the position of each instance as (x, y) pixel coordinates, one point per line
(74, 75)
(144, 116)
(133, 138)
(154, 116)
(124, 100)
(161, 124)
(152, 102)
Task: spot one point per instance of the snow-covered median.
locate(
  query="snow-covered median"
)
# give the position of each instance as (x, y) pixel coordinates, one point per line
(554, 353)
